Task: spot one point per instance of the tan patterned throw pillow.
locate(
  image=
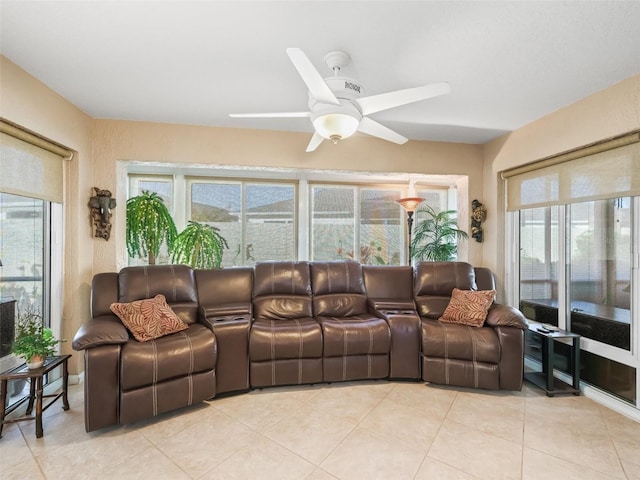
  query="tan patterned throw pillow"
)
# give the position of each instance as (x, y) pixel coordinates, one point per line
(149, 319)
(468, 307)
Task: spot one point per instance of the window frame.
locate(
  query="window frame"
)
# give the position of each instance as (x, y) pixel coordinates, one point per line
(302, 179)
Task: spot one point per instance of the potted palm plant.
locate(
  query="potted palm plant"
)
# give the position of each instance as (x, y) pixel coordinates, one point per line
(149, 225)
(34, 342)
(435, 238)
(200, 246)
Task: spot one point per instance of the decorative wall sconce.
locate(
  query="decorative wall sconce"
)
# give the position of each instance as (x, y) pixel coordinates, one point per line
(410, 204)
(101, 205)
(478, 215)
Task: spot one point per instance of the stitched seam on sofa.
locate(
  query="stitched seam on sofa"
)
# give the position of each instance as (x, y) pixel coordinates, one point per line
(146, 280)
(474, 346)
(446, 354)
(344, 350)
(119, 378)
(272, 266)
(370, 349)
(292, 279)
(345, 343)
(273, 353)
(346, 270)
(191, 353)
(300, 350)
(154, 388)
(173, 283)
(499, 335)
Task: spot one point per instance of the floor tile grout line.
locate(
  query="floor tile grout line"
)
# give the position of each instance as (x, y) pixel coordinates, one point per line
(611, 439)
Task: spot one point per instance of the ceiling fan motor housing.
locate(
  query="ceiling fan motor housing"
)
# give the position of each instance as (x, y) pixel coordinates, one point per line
(344, 87)
(328, 118)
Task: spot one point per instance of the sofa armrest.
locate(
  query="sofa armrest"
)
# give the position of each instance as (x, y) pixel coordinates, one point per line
(505, 316)
(224, 310)
(382, 304)
(105, 330)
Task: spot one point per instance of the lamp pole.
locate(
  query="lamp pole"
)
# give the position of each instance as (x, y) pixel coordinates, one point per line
(410, 204)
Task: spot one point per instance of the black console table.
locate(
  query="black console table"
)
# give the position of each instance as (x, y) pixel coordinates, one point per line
(545, 379)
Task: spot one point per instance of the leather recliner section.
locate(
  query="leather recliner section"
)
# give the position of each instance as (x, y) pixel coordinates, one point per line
(356, 342)
(461, 355)
(285, 342)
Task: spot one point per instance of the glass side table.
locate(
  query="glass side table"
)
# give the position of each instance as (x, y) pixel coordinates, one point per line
(36, 393)
(545, 379)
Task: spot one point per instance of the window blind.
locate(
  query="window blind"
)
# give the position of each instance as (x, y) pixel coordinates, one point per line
(607, 169)
(31, 165)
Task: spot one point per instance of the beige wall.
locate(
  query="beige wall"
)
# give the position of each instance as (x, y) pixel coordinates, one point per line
(608, 113)
(31, 104)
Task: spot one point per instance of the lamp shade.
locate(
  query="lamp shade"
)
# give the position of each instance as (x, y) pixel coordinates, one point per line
(336, 126)
(410, 203)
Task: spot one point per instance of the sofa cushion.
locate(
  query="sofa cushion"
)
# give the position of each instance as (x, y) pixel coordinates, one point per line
(285, 339)
(358, 335)
(183, 354)
(462, 342)
(468, 307)
(149, 319)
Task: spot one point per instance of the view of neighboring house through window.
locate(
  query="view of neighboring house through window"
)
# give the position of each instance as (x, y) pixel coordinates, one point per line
(256, 219)
(356, 223)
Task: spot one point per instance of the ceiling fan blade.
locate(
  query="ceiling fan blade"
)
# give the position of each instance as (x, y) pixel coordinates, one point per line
(271, 115)
(375, 129)
(314, 81)
(385, 101)
(315, 141)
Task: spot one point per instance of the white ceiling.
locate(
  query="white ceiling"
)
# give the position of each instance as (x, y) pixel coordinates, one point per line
(194, 62)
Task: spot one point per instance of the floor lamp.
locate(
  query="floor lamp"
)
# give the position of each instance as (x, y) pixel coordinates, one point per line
(410, 204)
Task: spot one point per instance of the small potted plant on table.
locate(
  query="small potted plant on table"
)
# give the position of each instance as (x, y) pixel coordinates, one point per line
(34, 342)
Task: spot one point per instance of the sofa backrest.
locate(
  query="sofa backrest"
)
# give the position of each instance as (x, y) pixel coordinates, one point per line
(338, 289)
(225, 291)
(104, 292)
(281, 290)
(434, 282)
(485, 279)
(176, 282)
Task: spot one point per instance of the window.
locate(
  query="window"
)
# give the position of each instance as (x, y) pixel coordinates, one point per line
(256, 219)
(577, 221)
(291, 215)
(600, 266)
(163, 186)
(31, 194)
(539, 264)
(356, 223)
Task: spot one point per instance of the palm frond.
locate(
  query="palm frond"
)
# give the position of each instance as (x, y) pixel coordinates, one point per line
(435, 238)
(149, 225)
(200, 246)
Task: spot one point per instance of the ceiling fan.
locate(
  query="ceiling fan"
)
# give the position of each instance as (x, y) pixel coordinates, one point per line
(336, 106)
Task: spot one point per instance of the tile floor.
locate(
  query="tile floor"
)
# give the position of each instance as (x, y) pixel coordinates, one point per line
(359, 430)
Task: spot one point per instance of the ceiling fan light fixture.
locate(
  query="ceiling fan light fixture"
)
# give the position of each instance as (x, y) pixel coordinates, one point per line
(336, 126)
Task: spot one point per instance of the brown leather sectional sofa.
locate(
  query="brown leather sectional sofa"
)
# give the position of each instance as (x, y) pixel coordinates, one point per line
(289, 323)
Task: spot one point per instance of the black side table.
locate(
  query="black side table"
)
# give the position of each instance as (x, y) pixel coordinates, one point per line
(35, 377)
(545, 379)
